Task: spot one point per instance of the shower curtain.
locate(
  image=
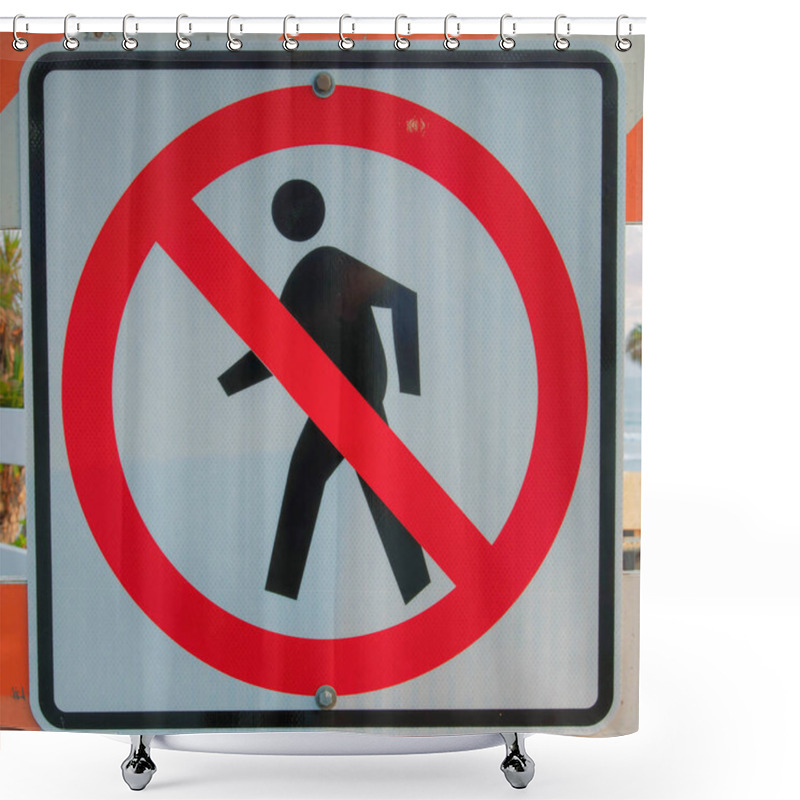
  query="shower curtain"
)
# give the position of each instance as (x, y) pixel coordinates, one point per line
(332, 382)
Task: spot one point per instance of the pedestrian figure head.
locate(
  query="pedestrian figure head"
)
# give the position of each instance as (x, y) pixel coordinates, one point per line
(298, 210)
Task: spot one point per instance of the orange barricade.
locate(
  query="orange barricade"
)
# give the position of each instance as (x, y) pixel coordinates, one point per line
(15, 709)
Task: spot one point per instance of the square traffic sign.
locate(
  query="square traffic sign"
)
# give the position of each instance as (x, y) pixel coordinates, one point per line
(325, 359)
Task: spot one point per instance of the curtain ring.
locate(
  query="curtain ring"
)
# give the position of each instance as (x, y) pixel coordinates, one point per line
(70, 42)
(561, 42)
(289, 43)
(181, 42)
(622, 44)
(506, 42)
(450, 42)
(128, 42)
(18, 43)
(400, 42)
(233, 43)
(345, 42)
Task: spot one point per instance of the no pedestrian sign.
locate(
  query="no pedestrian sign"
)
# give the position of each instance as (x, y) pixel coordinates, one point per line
(324, 366)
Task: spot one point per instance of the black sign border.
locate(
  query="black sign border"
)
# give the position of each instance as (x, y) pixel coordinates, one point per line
(503, 719)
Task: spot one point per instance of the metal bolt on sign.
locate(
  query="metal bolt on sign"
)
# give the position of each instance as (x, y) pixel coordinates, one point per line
(324, 84)
(326, 697)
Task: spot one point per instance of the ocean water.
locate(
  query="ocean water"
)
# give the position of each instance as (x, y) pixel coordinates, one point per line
(632, 430)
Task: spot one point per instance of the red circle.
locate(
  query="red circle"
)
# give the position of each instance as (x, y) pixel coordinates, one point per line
(247, 129)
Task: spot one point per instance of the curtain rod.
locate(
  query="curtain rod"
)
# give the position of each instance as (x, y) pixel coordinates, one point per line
(378, 26)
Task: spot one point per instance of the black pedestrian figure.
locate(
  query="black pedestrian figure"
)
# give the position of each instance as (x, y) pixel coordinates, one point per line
(331, 295)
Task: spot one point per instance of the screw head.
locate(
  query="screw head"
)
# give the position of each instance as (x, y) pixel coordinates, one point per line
(324, 84)
(326, 697)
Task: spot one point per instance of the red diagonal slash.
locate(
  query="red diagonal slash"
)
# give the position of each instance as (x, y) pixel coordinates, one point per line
(253, 310)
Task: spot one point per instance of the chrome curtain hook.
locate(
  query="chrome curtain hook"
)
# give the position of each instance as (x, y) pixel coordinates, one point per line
(400, 42)
(506, 42)
(70, 42)
(18, 43)
(128, 42)
(181, 42)
(233, 43)
(289, 42)
(345, 42)
(622, 45)
(450, 42)
(561, 42)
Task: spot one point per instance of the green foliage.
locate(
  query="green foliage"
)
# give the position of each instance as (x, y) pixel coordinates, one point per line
(11, 362)
(22, 538)
(633, 345)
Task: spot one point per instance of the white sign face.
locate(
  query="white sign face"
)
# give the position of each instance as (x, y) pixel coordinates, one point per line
(325, 366)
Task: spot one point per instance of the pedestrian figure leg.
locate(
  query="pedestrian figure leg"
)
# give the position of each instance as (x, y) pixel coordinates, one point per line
(405, 555)
(313, 462)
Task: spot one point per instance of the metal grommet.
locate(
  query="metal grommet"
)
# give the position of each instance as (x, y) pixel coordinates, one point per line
(621, 44)
(561, 42)
(70, 42)
(450, 42)
(128, 42)
(506, 42)
(289, 43)
(345, 42)
(233, 43)
(18, 43)
(181, 42)
(400, 42)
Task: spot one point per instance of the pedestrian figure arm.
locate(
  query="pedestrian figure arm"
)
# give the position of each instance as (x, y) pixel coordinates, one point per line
(406, 339)
(246, 372)
(384, 292)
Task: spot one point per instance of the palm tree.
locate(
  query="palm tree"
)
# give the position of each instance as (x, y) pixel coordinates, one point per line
(12, 477)
(10, 322)
(633, 345)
